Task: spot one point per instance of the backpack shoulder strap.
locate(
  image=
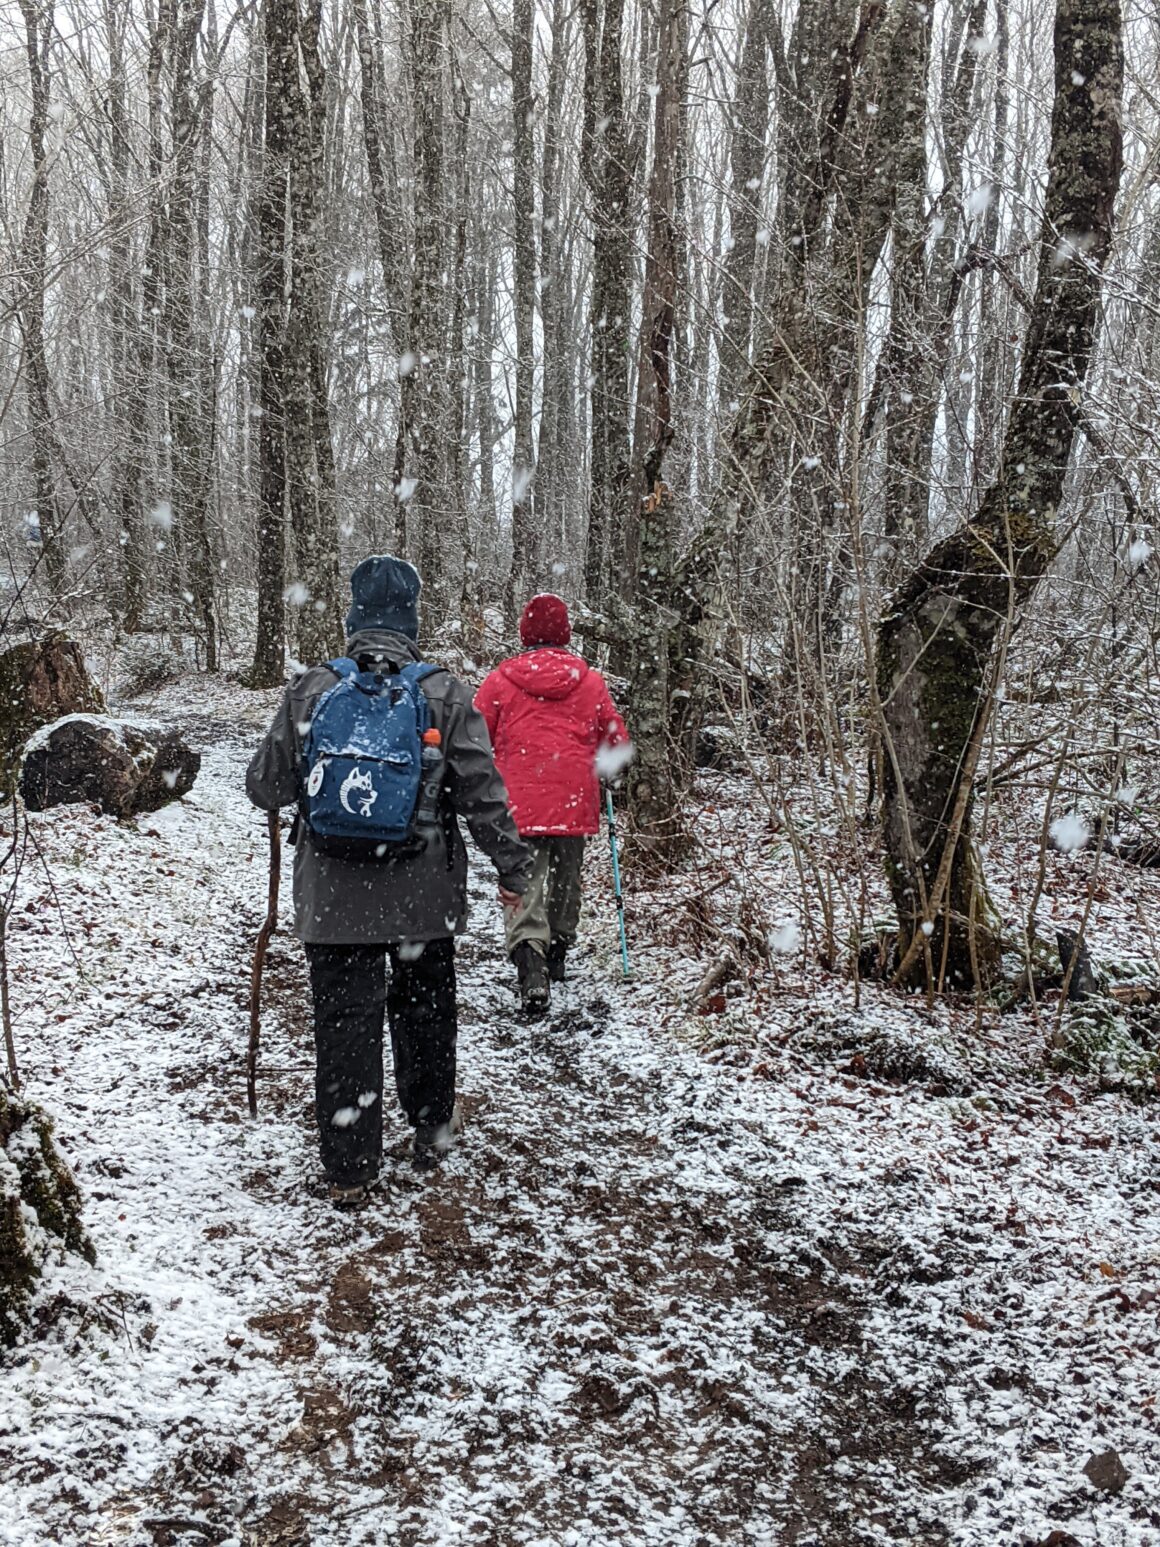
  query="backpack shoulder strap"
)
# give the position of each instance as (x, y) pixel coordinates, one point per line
(343, 666)
(414, 674)
(416, 671)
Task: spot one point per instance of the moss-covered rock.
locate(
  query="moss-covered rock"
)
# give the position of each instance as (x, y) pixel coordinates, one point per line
(40, 1204)
(40, 681)
(1097, 1037)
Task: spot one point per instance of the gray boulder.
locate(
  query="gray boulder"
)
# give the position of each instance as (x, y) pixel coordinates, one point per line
(95, 760)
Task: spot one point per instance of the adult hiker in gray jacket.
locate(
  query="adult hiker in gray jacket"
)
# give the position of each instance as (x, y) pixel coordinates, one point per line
(352, 913)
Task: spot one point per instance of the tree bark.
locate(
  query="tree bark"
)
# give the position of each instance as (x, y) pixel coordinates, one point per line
(652, 781)
(936, 643)
(192, 409)
(281, 62)
(608, 176)
(425, 408)
(751, 104)
(924, 295)
(523, 565)
(548, 491)
(38, 25)
(309, 451)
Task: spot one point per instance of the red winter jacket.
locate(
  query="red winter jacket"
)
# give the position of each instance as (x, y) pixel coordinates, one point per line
(549, 713)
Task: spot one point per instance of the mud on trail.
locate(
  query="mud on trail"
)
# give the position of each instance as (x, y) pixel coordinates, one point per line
(650, 1298)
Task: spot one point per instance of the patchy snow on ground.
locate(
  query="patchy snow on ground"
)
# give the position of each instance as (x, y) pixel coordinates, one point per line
(764, 1264)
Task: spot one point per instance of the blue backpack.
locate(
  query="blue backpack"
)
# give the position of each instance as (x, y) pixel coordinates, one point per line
(362, 761)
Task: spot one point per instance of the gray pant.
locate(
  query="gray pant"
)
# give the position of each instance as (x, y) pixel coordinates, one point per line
(550, 908)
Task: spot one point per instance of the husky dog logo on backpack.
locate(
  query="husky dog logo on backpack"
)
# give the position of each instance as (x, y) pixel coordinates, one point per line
(355, 782)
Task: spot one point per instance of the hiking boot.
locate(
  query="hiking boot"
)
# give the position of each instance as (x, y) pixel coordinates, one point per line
(557, 952)
(535, 987)
(431, 1141)
(350, 1195)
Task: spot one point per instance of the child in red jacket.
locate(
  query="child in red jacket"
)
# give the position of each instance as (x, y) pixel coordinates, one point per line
(555, 732)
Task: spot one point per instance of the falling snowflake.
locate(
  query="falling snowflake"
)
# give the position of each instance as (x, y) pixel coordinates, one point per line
(785, 939)
(296, 594)
(405, 488)
(162, 515)
(979, 202)
(612, 761)
(1069, 832)
(521, 483)
(1139, 553)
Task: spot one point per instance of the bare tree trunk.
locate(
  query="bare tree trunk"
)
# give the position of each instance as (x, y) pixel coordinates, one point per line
(523, 201)
(747, 163)
(38, 23)
(388, 214)
(427, 421)
(651, 785)
(485, 402)
(281, 63)
(192, 410)
(608, 175)
(310, 457)
(936, 644)
(130, 336)
(458, 533)
(549, 455)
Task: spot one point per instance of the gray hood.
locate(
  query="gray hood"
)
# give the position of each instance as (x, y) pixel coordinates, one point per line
(395, 648)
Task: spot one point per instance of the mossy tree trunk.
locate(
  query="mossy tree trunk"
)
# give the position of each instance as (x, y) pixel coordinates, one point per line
(937, 642)
(33, 1177)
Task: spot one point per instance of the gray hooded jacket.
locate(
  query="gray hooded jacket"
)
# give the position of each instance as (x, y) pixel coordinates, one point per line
(418, 897)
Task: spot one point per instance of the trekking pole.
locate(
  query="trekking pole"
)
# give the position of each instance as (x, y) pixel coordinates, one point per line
(267, 929)
(616, 884)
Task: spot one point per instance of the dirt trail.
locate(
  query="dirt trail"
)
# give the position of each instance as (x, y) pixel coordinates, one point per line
(648, 1300)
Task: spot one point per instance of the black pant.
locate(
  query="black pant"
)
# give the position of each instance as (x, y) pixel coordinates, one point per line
(350, 994)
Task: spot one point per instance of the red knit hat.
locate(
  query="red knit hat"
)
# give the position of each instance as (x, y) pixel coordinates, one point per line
(545, 621)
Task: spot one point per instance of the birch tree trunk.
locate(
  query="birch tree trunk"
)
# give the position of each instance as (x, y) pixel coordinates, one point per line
(937, 641)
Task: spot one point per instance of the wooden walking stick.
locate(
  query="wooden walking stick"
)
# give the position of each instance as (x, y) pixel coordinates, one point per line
(267, 929)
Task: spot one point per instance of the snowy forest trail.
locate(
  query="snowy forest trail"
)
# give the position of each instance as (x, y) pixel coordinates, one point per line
(647, 1300)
